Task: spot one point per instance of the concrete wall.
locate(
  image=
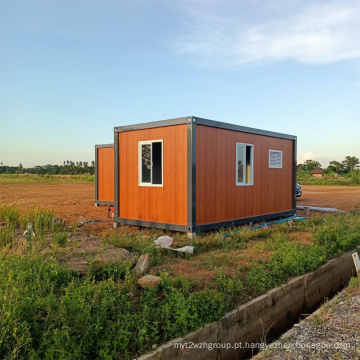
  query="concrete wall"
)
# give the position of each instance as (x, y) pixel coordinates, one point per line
(269, 314)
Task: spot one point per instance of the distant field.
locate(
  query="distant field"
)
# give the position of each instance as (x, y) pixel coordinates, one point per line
(352, 178)
(333, 182)
(41, 179)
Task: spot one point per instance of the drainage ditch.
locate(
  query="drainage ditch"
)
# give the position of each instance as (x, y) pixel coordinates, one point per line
(268, 315)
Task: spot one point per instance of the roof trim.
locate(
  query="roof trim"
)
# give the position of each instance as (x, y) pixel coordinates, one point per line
(204, 122)
(104, 146)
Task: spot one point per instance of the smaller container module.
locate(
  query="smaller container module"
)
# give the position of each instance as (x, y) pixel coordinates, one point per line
(104, 174)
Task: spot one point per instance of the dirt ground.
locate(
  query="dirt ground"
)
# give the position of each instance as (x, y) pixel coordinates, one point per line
(75, 202)
(340, 197)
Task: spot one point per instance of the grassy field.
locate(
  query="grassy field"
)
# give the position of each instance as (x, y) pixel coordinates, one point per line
(48, 311)
(352, 178)
(41, 179)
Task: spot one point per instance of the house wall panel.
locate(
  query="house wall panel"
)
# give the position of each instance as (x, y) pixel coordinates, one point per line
(217, 196)
(166, 204)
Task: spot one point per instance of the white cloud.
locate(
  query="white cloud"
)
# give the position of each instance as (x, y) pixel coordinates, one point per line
(306, 155)
(309, 33)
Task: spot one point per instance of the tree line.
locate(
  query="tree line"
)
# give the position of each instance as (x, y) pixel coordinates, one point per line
(349, 164)
(67, 168)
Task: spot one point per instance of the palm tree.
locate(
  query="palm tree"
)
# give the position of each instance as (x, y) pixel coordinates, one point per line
(350, 162)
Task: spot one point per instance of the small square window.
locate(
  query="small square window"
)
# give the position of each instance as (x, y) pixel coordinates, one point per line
(151, 163)
(275, 159)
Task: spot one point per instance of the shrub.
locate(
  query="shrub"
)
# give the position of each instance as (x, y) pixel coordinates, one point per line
(260, 279)
(336, 240)
(355, 177)
(294, 259)
(102, 271)
(229, 286)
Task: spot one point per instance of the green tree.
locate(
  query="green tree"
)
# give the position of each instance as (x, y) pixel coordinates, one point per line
(350, 163)
(20, 169)
(335, 166)
(309, 165)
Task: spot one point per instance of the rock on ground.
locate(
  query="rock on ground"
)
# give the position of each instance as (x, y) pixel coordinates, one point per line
(88, 249)
(149, 281)
(143, 265)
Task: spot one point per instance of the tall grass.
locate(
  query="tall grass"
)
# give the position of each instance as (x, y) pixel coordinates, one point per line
(41, 221)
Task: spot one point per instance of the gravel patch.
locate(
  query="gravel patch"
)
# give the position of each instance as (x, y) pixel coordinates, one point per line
(332, 332)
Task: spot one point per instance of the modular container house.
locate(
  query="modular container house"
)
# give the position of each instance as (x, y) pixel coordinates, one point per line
(104, 174)
(191, 174)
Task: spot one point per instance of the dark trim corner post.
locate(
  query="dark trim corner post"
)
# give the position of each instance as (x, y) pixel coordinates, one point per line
(116, 179)
(191, 177)
(294, 172)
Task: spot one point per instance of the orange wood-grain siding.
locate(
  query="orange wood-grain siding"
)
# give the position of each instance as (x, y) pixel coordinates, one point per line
(217, 196)
(105, 174)
(166, 204)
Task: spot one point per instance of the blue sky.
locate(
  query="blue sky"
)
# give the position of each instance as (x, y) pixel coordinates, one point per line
(72, 70)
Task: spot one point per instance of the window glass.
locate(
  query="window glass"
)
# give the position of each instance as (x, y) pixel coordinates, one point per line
(240, 164)
(157, 163)
(244, 164)
(146, 163)
(248, 164)
(151, 163)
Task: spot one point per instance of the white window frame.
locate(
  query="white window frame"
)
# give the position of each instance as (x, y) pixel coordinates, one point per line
(149, 142)
(281, 165)
(244, 167)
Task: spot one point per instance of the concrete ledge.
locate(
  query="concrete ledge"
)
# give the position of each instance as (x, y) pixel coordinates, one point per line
(269, 314)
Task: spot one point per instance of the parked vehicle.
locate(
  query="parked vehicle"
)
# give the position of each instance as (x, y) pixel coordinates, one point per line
(298, 190)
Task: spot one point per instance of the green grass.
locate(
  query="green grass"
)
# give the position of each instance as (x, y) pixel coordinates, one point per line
(66, 317)
(53, 313)
(354, 283)
(41, 179)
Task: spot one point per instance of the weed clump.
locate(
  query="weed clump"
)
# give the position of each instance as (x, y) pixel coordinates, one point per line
(61, 239)
(341, 234)
(6, 236)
